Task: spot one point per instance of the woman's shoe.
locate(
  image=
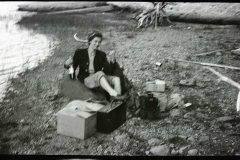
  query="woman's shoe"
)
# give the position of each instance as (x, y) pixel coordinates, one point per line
(118, 98)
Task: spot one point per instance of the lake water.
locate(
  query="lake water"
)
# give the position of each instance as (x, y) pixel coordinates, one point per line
(20, 48)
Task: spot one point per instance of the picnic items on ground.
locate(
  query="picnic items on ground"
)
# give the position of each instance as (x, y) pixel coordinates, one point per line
(78, 119)
(111, 117)
(155, 86)
(81, 119)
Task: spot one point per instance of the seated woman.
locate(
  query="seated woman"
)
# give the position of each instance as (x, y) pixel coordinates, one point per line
(94, 68)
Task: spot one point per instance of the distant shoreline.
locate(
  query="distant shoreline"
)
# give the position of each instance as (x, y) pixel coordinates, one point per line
(207, 12)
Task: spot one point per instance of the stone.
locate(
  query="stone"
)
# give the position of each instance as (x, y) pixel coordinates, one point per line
(174, 152)
(236, 52)
(122, 138)
(188, 82)
(193, 152)
(225, 119)
(181, 150)
(191, 139)
(200, 115)
(147, 152)
(183, 137)
(189, 131)
(162, 150)
(100, 149)
(203, 139)
(153, 141)
(175, 113)
(187, 115)
(171, 145)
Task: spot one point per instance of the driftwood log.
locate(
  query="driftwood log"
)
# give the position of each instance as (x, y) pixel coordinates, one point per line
(209, 13)
(230, 81)
(207, 53)
(85, 10)
(205, 64)
(224, 78)
(58, 6)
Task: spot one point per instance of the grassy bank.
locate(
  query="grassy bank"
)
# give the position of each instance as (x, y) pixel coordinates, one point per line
(28, 113)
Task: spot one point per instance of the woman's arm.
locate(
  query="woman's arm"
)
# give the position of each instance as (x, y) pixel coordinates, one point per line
(109, 66)
(68, 62)
(76, 59)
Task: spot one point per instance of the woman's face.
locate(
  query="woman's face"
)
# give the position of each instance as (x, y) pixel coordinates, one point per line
(95, 43)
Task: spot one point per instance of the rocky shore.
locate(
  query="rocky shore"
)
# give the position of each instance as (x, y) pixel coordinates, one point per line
(209, 127)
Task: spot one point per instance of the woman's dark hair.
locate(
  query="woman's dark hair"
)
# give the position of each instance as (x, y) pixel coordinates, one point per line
(94, 34)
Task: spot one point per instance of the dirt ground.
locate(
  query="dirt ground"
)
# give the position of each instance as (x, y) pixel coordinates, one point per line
(28, 113)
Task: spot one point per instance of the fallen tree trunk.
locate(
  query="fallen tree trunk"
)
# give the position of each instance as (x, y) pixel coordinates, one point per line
(207, 53)
(230, 81)
(85, 10)
(58, 6)
(224, 78)
(133, 5)
(205, 64)
(211, 13)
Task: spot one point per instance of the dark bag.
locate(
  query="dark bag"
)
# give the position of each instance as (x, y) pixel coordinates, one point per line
(148, 102)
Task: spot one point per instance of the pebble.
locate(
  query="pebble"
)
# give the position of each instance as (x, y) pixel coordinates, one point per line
(171, 145)
(7, 100)
(49, 112)
(183, 137)
(174, 152)
(193, 152)
(225, 119)
(99, 149)
(153, 141)
(198, 109)
(189, 131)
(186, 115)
(122, 138)
(175, 112)
(200, 115)
(181, 150)
(203, 139)
(147, 152)
(162, 150)
(191, 139)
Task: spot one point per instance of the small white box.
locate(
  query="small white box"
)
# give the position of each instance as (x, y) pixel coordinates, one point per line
(73, 121)
(155, 86)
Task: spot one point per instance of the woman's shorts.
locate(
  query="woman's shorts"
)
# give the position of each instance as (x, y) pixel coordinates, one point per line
(93, 81)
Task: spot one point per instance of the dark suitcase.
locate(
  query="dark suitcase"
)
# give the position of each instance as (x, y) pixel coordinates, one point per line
(148, 101)
(110, 118)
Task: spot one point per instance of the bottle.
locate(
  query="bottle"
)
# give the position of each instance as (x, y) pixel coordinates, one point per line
(71, 72)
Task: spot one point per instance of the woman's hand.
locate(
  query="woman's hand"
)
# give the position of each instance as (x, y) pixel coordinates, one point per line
(112, 56)
(69, 61)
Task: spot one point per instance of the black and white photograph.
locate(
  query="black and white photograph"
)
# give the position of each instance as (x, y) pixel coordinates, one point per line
(105, 79)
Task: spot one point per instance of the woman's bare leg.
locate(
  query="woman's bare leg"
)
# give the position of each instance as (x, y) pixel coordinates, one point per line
(105, 85)
(117, 85)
